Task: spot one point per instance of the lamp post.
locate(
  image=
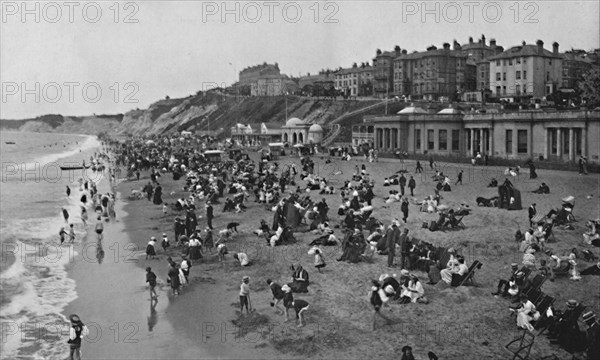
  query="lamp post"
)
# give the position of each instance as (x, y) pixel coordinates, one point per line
(234, 78)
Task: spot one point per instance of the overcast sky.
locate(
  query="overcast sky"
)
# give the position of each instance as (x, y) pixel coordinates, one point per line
(97, 57)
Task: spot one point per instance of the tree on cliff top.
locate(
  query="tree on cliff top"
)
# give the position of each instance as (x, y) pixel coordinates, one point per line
(589, 86)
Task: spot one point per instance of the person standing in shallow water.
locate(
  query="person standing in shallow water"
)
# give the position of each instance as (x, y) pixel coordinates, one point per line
(99, 228)
(68, 191)
(65, 215)
(77, 331)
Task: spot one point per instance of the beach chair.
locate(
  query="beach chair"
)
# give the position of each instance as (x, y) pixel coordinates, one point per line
(535, 295)
(543, 304)
(535, 284)
(521, 346)
(469, 277)
(526, 270)
(549, 230)
(459, 223)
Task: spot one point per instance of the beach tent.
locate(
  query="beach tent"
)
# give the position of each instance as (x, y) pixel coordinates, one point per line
(509, 197)
(276, 150)
(214, 155)
(292, 215)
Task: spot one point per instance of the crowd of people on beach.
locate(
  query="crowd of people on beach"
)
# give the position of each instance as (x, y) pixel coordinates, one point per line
(285, 192)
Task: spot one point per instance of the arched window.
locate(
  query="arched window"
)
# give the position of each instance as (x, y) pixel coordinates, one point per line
(294, 139)
(301, 138)
(285, 137)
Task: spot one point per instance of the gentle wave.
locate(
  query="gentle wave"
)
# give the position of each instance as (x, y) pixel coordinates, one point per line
(36, 287)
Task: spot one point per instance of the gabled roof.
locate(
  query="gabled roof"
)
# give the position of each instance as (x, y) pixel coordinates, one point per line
(450, 111)
(428, 53)
(412, 110)
(524, 51)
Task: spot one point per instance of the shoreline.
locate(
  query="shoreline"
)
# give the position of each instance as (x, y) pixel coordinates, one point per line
(112, 299)
(197, 315)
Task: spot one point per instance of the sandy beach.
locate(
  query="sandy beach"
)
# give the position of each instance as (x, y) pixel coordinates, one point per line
(204, 321)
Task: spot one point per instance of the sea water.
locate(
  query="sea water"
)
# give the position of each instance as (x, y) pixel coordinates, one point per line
(34, 286)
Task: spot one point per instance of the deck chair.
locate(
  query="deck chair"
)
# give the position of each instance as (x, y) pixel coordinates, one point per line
(538, 218)
(470, 275)
(521, 346)
(527, 271)
(535, 284)
(454, 225)
(549, 230)
(543, 304)
(535, 295)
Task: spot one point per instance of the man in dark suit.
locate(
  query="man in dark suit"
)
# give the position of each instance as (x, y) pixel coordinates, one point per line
(532, 212)
(392, 238)
(402, 182)
(209, 214)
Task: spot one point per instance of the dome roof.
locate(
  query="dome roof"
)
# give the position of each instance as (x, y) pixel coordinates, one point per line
(450, 111)
(315, 128)
(412, 110)
(294, 122)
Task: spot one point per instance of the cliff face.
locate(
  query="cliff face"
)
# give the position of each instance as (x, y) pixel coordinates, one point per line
(90, 125)
(203, 111)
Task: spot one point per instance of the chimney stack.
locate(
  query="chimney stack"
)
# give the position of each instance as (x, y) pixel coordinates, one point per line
(540, 47)
(404, 52)
(470, 40)
(493, 43)
(523, 43)
(456, 45)
(446, 46)
(483, 39)
(397, 50)
(555, 48)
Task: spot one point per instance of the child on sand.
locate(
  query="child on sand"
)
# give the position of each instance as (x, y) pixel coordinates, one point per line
(151, 280)
(150, 250)
(319, 261)
(300, 306)
(165, 242)
(242, 258)
(245, 295)
(222, 251)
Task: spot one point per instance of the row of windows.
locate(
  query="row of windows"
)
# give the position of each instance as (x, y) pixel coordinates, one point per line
(509, 62)
(565, 141)
(442, 139)
(521, 141)
(422, 63)
(346, 83)
(502, 76)
(501, 90)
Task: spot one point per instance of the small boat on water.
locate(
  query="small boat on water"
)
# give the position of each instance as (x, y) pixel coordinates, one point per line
(9, 142)
(80, 167)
